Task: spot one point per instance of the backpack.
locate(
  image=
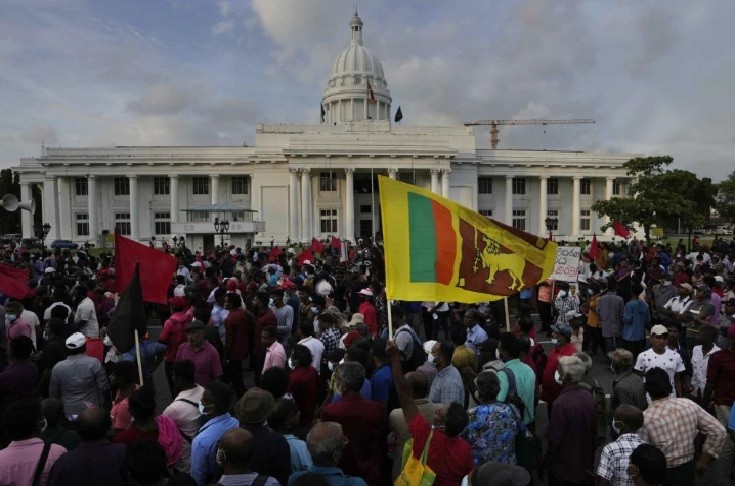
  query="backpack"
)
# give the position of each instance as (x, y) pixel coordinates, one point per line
(602, 412)
(512, 397)
(418, 357)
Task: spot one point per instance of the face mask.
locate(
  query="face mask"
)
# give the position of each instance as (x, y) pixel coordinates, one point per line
(315, 310)
(617, 429)
(554, 341)
(291, 364)
(562, 293)
(43, 424)
(10, 317)
(205, 409)
(330, 365)
(559, 379)
(271, 302)
(430, 359)
(497, 353)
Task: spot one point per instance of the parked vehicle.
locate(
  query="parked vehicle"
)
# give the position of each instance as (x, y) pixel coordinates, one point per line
(64, 245)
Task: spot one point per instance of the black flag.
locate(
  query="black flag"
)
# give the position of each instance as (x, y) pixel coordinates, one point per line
(129, 316)
(399, 115)
(321, 108)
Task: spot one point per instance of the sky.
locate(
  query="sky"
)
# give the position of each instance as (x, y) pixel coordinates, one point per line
(657, 76)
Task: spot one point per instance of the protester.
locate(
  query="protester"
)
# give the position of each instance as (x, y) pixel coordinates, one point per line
(205, 358)
(613, 467)
(647, 466)
(238, 325)
(516, 375)
(19, 379)
(57, 429)
(551, 385)
(124, 378)
(627, 386)
(326, 443)
(235, 457)
(303, 383)
(283, 419)
(448, 386)
(660, 356)
(173, 333)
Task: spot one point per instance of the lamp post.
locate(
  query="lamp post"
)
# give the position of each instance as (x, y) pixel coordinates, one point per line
(550, 225)
(221, 227)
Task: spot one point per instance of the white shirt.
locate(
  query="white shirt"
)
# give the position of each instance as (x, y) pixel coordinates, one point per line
(679, 304)
(670, 361)
(186, 416)
(179, 291)
(86, 312)
(317, 348)
(699, 367)
(47, 312)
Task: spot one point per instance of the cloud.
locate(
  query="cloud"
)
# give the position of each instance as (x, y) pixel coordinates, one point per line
(223, 27)
(38, 135)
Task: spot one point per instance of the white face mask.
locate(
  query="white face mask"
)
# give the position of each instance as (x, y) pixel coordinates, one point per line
(330, 365)
(559, 379)
(562, 293)
(205, 409)
(497, 353)
(616, 429)
(291, 364)
(430, 359)
(554, 341)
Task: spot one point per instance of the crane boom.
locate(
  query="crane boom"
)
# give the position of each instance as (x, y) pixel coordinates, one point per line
(495, 131)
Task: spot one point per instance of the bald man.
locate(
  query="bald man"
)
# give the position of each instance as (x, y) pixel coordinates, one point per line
(326, 442)
(233, 456)
(615, 456)
(419, 387)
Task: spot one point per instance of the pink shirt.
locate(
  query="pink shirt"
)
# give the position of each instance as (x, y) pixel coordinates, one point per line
(18, 328)
(19, 460)
(275, 356)
(120, 412)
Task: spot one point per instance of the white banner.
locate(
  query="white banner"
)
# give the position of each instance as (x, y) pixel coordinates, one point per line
(566, 266)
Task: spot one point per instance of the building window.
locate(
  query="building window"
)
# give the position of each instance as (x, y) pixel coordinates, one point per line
(122, 223)
(519, 219)
(328, 220)
(616, 188)
(366, 208)
(82, 224)
(519, 185)
(585, 186)
(162, 223)
(485, 185)
(161, 186)
(327, 181)
(239, 185)
(200, 186)
(199, 216)
(81, 186)
(488, 213)
(407, 177)
(585, 222)
(553, 214)
(552, 186)
(122, 186)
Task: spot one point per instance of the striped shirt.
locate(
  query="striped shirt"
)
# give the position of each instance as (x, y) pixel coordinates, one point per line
(615, 458)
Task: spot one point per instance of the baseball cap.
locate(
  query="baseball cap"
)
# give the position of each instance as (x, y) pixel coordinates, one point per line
(50, 270)
(562, 328)
(659, 330)
(194, 325)
(76, 341)
(686, 286)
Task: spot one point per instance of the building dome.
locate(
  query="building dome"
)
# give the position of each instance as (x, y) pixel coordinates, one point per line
(357, 89)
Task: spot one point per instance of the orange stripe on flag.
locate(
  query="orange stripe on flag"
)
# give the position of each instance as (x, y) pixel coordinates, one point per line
(446, 243)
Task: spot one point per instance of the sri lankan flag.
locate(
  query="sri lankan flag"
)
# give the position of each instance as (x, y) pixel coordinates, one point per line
(436, 249)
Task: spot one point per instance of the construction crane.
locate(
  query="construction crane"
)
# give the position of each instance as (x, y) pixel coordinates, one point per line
(495, 131)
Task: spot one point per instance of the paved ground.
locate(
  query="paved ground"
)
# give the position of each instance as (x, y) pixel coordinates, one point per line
(600, 371)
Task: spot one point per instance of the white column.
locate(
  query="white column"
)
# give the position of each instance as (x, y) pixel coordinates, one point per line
(306, 209)
(349, 231)
(293, 205)
(435, 180)
(508, 200)
(575, 205)
(174, 192)
(542, 204)
(608, 195)
(92, 208)
(392, 173)
(214, 178)
(50, 203)
(445, 182)
(26, 218)
(134, 235)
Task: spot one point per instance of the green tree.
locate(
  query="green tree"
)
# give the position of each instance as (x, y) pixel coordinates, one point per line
(726, 198)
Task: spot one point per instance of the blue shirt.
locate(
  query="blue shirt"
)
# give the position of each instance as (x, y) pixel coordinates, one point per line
(333, 475)
(635, 320)
(204, 447)
(366, 392)
(475, 336)
(300, 456)
(382, 382)
(148, 350)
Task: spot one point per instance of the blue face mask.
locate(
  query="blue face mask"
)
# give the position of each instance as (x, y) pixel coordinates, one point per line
(271, 303)
(315, 310)
(10, 317)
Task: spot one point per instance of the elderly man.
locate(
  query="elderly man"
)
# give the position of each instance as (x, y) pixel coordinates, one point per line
(204, 356)
(79, 381)
(326, 443)
(627, 386)
(561, 335)
(613, 467)
(671, 424)
(572, 427)
(610, 308)
(447, 387)
(235, 456)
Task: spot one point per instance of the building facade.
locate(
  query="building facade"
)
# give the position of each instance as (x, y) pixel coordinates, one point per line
(304, 181)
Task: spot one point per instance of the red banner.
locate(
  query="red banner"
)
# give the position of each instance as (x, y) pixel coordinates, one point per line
(156, 268)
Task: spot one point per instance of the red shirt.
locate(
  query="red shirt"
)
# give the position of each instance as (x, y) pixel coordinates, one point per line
(449, 458)
(206, 362)
(721, 375)
(362, 422)
(237, 325)
(267, 318)
(551, 388)
(173, 334)
(303, 384)
(371, 316)
(95, 349)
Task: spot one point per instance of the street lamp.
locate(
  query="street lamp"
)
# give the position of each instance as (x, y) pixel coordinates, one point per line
(221, 227)
(550, 225)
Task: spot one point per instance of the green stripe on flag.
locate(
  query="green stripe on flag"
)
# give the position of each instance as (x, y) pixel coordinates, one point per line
(421, 239)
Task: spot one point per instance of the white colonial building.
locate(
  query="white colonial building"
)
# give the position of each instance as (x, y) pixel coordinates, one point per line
(304, 181)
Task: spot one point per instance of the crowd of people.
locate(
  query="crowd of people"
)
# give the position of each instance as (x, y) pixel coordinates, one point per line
(281, 370)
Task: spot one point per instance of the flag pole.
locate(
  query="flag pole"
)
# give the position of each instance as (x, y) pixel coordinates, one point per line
(507, 314)
(137, 355)
(390, 321)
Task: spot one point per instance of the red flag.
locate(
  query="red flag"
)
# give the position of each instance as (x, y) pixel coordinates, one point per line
(336, 243)
(274, 253)
(305, 255)
(14, 281)
(317, 246)
(157, 268)
(620, 229)
(594, 249)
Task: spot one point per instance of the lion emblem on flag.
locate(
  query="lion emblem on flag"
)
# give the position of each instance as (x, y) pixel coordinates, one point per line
(491, 258)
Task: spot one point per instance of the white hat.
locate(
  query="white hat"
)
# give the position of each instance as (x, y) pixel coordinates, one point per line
(428, 345)
(307, 262)
(366, 292)
(719, 279)
(195, 264)
(50, 270)
(76, 341)
(356, 318)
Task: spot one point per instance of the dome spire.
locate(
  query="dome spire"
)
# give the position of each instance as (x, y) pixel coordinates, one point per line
(356, 29)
